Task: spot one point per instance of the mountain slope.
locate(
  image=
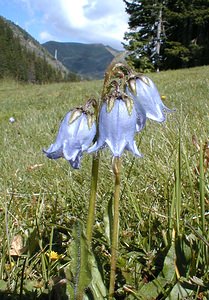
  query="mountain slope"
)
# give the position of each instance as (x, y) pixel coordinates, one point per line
(33, 46)
(87, 60)
(23, 58)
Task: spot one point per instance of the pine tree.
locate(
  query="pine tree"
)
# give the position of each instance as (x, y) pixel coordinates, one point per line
(187, 31)
(168, 34)
(146, 25)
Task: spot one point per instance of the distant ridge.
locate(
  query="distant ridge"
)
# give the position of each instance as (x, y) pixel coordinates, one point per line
(87, 60)
(34, 46)
(24, 59)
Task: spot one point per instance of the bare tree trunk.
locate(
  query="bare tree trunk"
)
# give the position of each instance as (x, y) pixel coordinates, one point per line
(159, 29)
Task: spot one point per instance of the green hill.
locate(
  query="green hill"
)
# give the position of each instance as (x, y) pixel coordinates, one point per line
(87, 60)
(23, 58)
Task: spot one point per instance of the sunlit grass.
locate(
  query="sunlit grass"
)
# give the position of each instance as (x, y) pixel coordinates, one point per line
(165, 192)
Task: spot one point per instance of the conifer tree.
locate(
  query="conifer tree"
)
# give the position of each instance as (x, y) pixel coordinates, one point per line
(187, 31)
(145, 33)
(17, 62)
(169, 34)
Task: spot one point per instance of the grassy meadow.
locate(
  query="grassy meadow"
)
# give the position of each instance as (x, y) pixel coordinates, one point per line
(164, 203)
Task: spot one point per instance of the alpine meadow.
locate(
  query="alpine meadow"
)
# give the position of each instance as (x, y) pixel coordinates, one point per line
(49, 250)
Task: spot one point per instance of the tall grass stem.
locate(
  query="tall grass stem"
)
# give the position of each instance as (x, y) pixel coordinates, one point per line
(178, 185)
(202, 191)
(92, 199)
(115, 229)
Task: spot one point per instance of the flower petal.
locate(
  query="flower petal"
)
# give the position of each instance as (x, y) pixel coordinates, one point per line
(53, 152)
(147, 100)
(140, 122)
(96, 146)
(116, 128)
(133, 148)
(74, 137)
(116, 147)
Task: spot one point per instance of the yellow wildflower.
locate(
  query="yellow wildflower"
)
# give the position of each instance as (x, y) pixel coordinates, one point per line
(9, 266)
(54, 255)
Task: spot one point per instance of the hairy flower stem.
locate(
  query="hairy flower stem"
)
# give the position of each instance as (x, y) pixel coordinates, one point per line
(92, 199)
(115, 229)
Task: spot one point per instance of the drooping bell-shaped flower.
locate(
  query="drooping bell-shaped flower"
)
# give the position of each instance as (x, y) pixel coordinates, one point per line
(147, 100)
(117, 127)
(76, 133)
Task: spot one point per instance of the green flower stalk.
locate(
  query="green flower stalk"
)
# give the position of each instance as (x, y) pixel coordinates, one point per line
(94, 180)
(117, 128)
(92, 199)
(115, 230)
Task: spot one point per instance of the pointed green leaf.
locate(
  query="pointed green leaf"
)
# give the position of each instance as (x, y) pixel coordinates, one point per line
(79, 266)
(144, 79)
(129, 104)
(3, 285)
(178, 292)
(110, 103)
(83, 272)
(90, 119)
(75, 115)
(132, 86)
(97, 286)
(108, 220)
(166, 277)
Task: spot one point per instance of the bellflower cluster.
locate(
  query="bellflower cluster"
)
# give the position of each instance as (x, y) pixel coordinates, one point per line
(128, 101)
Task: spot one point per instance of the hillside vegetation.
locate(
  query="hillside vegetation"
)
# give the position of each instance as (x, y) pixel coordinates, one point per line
(24, 59)
(87, 60)
(164, 201)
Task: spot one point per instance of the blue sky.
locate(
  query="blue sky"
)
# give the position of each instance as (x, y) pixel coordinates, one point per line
(85, 21)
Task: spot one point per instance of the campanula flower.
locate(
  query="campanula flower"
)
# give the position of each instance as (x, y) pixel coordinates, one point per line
(147, 100)
(117, 126)
(76, 133)
(11, 119)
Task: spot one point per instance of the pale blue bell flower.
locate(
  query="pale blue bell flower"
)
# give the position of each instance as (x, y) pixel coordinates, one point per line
(117, 127)
(147, 100)
(75, 136)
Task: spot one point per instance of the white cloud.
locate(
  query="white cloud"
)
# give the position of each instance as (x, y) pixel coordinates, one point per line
(74, 13)
(46, 36)
(92, 21)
